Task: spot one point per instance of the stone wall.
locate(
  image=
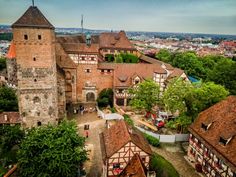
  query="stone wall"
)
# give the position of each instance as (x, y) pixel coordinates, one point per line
(11, 72)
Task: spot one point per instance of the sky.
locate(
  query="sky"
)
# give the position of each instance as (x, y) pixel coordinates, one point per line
(194, 16)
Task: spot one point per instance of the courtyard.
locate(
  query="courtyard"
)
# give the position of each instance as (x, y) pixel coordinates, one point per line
(171, 152)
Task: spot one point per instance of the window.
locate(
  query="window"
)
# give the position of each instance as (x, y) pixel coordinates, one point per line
(223, 141)
(83, 58)
(39, 123)
(92, 58)
(88, 70)
(108, 70)
(120, 90)
(26, 37)
(35, 80)
(36, 99)
(39, 37)
(204, 127)
(116, 165)
(102, 70)
(120, 102)
(143, 159)
(34, 59)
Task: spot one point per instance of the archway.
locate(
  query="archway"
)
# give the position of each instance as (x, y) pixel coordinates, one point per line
(90, 96)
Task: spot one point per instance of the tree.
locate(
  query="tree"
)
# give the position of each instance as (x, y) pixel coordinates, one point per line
(105, 98)
(10, 138)
(2, 63)
(174, 96)
(202, 96)
(52, 151)
(129, 58)
(164, 55)
(8, 99)
(224, 73)
(145, 95)
(118, 59)
(180, 123)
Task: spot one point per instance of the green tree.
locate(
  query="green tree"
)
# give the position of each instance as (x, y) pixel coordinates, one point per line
(174, 96)
(224, 73)
(164, 55)
(129, 58)
(180, 123)
(202, 96)
(8, 99)
(105, 98)
(189, 62)
(145, 95)
(10, 138)
(2, 64)
(52, 151)
(118, 59)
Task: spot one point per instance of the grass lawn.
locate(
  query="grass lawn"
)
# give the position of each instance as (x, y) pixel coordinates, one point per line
(162, 167)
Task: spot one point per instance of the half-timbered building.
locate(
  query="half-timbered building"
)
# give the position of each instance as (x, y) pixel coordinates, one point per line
(212, 142)
(119, 144)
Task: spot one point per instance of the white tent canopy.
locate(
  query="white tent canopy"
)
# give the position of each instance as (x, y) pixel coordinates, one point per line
(111, 116)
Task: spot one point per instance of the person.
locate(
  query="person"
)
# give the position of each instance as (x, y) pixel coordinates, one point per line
(87, 133)
(81, 109)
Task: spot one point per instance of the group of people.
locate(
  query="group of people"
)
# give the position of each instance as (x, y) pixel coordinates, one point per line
(82, 109)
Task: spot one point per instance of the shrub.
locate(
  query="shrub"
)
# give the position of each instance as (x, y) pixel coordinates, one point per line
(105, 98)
(128, 120)
(162, 167)
(152, 140)
(113, 110)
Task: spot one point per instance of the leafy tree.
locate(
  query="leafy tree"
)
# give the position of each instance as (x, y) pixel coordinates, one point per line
(8, 99)
(180, 123)
(224, 73)
(164, 55)
(10, 138)
(174, 96)
(105, 98)
(52, 151)
(129, 58)
(2, 63)
(118, 59)
(145, 95)
(189, 62)
(203, 96)
(110, 57)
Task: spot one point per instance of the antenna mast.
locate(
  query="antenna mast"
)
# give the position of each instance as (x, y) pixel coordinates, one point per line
(82, 23)
(33, 2)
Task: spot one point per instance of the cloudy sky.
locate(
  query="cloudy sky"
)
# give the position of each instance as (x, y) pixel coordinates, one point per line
(197, 16)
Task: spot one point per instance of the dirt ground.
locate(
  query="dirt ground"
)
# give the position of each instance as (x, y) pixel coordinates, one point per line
(93, 167)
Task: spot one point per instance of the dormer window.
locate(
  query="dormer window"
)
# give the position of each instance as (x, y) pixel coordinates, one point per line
(205, 126)
(223, 141)
(136, 80)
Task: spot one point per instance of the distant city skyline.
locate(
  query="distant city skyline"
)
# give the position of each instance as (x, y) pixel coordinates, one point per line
(188, 16)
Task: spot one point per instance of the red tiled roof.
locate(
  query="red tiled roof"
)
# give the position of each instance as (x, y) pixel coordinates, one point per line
(144, 71)
(12, 51)
(115, 40)
(223, 118)
(10, 118)
(118, 135)
(135, 168)
(62, 59)
(33, 17)
(175, 73)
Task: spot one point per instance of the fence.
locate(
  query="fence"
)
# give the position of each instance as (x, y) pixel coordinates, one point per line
(166, 138)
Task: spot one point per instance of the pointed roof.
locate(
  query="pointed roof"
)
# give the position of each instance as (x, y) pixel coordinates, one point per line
(11, 51)
(33, 17)
(111, 140)
(135, 168)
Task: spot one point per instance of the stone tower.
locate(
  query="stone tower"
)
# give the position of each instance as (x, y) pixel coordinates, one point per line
(34, 40)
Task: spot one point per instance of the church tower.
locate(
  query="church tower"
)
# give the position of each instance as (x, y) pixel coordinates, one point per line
(34, 41)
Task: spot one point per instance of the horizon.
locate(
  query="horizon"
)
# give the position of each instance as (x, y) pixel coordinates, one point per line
(204, 17)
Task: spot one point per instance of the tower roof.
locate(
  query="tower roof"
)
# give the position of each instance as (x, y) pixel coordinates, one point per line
(11, 51)
(33, 18)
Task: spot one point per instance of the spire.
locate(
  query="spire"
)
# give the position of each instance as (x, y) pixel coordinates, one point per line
(82, 23)
(33, 3)
(33, 18)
